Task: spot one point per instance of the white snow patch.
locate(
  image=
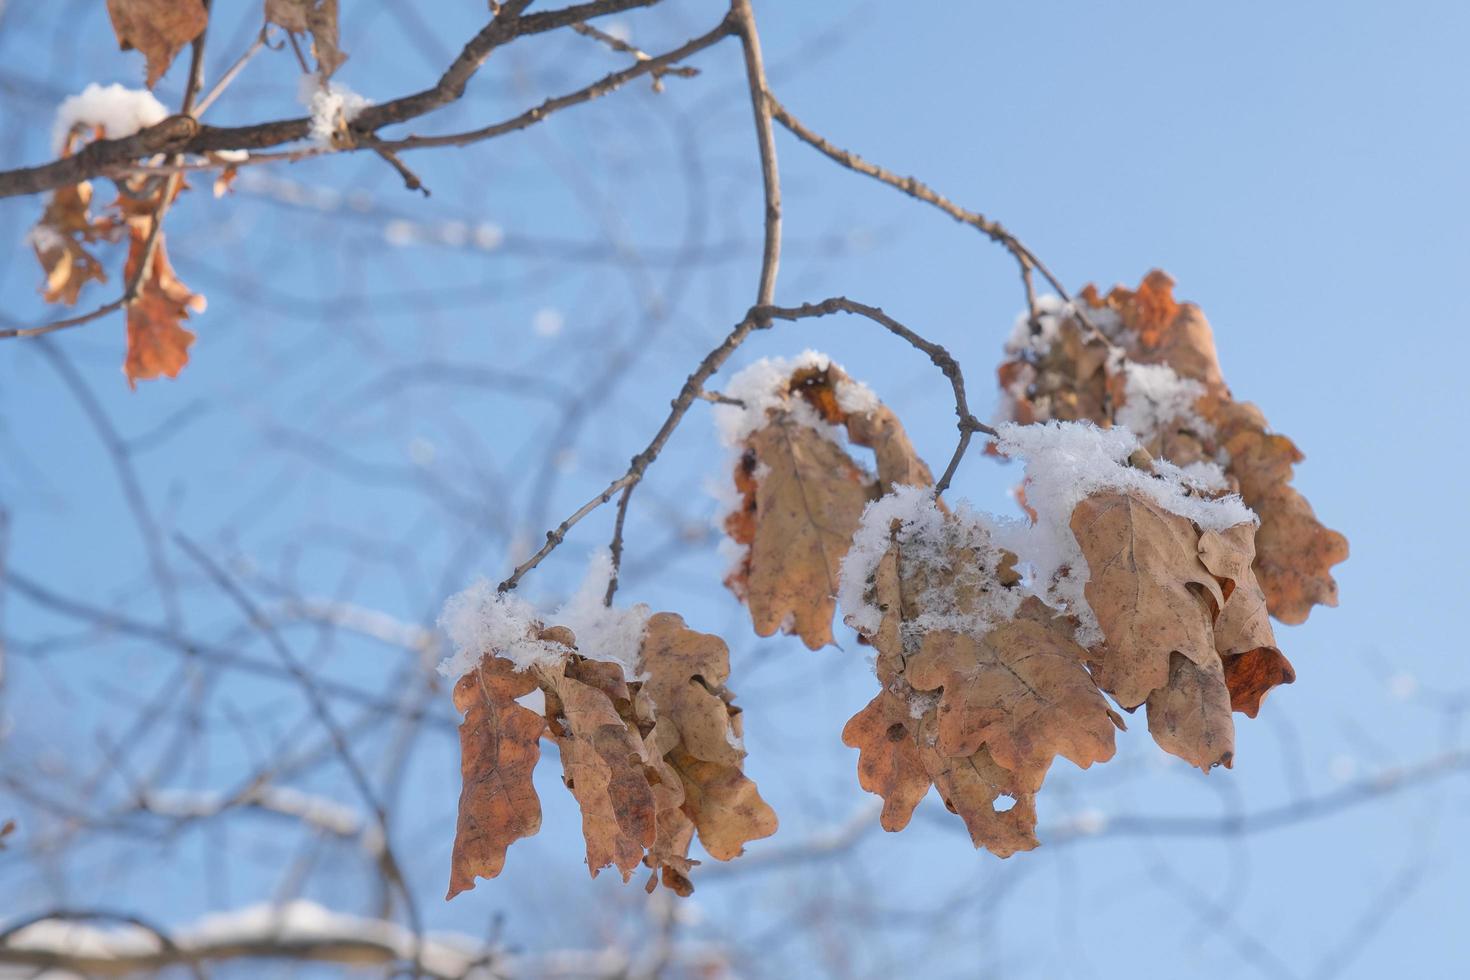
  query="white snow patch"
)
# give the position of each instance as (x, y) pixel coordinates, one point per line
(118, 110)
(1038, 337)
(762, 387)
(1155, 396)
(1069, 461)
(480, 619)
(970, 601)
(232, 156)
(332, 106)
(548, 322)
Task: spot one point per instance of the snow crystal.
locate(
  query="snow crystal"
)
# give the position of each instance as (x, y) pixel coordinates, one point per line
(964, 600)
(331, 106)
(763, 386)
(1051, 313)
(603, 632)
(480, 619)
(548, 322)
(1069, 461)
(118, 110)
(1154, 396)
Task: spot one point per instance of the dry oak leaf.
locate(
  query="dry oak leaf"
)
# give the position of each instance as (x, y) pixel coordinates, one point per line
(1022, 690)
(1294, 551)
(808, 499)
(158, 344)
(1068, 381)
(1151, 593)
(1158, 606)
(698, 733)
(802, 497)
(1190, 716)
(980, 715)
(684, 673)
(319, 19)
(971, 787)
(890, 760)
(499, 746)
(57, 239)
(603, 762)
(157, 28)
(1243, 634)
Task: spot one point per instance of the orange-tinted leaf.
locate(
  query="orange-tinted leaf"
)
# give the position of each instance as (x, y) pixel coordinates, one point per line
(890, 761)
(498, 750)
(158, 344)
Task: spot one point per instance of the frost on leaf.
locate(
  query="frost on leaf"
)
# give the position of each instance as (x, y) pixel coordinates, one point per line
(982, 685)
(800, 494)
(651, 761)
(1151, 364)
(157, 28)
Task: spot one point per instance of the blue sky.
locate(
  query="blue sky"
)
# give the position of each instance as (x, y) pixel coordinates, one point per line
(1299, 169)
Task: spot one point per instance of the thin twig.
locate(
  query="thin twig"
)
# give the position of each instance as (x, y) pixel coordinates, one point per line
(320, 709)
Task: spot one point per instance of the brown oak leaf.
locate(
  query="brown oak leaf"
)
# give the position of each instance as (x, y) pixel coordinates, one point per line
(317, 18)
(499, 746)
(603, 762)
(808, 498)
(1022, 690)
(1148, 588)
(157, 28)
(1243, 634)
(1190, 715)
(58, 242)
(158, 343)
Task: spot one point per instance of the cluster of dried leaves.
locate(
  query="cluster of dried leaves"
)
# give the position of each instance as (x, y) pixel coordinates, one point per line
(981, 713)
(157, 302)
(651, 762)
(1081, 375)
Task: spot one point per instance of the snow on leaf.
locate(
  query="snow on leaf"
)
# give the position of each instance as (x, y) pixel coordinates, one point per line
(650, 761)
(157, 28)
(498, 750)
(800, 494)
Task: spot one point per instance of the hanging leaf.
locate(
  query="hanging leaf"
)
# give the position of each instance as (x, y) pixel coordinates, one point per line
(317, 18)
(498, 742)
(157, 28)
